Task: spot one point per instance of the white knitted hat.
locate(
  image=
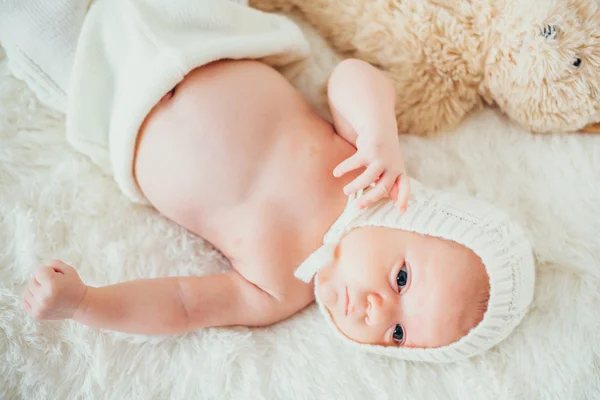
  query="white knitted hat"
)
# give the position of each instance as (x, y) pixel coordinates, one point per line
(487, 231)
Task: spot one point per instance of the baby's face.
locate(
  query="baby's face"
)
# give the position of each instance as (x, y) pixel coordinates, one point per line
(397, 288)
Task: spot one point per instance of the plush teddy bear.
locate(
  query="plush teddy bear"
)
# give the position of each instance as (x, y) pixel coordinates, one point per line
(539, 61)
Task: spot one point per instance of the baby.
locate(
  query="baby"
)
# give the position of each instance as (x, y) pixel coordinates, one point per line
(301, 208)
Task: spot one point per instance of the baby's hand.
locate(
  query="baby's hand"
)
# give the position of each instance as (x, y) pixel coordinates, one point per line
(55, 292)
(382, 158)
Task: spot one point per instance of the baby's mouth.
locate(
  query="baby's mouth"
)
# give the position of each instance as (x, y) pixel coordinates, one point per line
(346, 303)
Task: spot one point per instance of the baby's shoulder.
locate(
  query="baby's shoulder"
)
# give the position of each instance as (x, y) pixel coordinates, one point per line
(273, 272)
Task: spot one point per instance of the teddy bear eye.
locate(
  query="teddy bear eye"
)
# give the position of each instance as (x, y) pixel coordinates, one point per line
(577, 62)
(549, 32)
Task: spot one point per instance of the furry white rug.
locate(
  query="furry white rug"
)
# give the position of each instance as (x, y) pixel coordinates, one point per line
(55, 203)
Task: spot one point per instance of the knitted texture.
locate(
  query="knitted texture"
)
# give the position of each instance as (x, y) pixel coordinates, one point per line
(488, 232)
(131, 53)
(40, 38)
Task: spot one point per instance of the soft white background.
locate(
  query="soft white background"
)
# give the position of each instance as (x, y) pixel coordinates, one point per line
(55, 203)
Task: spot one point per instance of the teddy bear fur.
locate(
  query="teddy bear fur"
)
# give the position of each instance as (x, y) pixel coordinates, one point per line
(537, 61)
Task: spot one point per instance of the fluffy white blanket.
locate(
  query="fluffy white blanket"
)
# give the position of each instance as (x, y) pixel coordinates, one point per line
(55, 203)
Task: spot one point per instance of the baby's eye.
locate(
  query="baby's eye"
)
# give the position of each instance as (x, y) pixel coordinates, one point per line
(398, 335)
(577, 62)
(402, 277)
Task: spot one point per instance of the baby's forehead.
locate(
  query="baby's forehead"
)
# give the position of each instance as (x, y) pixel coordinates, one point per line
(450, 260)
(436, 251)
(439, 246)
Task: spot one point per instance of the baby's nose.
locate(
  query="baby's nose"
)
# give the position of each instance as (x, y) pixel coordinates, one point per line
(376, 310)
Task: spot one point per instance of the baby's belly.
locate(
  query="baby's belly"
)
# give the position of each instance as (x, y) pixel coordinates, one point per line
(234, 146)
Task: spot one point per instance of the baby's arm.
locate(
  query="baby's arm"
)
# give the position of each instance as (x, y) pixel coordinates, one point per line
(153, 306)
(362, 103)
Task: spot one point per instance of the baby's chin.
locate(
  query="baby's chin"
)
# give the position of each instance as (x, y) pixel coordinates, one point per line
(334, 325)
(325, 294)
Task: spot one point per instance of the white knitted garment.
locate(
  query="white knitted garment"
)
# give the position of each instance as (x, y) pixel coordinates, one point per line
(40, 37)
(131, 53)
(487, 231)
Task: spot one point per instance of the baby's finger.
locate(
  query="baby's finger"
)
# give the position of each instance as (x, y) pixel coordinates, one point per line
(403, 192)
(28, 297)
(370, 175)
(394, 189)
(45, 275)
(26, 305)
(35, 295)
(58, 266)
(349, 164)
(381, 189)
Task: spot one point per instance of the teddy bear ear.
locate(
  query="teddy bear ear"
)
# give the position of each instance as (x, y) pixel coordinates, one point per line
(549, 32)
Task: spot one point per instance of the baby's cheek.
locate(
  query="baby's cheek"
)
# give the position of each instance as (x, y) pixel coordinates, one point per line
(324, 276)
(359, 333)
(326, 293)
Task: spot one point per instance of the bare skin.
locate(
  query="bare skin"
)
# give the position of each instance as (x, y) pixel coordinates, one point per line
(392, 287)
(236, 155)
